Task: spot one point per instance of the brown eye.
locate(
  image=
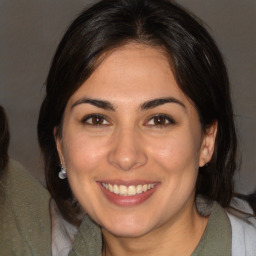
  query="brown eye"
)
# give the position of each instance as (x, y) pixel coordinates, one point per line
(160, 121)
(95, 120)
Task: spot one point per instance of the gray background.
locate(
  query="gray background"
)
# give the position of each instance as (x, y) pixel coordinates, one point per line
(31, 29)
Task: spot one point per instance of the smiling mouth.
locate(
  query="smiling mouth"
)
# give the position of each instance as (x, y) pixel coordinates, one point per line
(131, 190)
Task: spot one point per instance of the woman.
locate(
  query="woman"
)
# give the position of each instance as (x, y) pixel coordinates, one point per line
(138, 117)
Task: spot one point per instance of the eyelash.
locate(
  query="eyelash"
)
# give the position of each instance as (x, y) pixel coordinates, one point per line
(161, 117)
(96, 116)
(101, 119)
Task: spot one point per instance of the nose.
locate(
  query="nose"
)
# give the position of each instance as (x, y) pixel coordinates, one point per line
(127, 151)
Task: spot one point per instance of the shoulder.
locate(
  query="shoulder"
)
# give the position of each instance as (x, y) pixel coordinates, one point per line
(24, 213)
(243, 231)
(18, 176)
(25, 190)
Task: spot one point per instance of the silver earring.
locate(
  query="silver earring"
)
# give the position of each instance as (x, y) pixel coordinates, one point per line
(63, 172)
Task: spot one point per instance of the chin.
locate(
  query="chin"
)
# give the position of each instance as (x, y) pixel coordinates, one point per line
(127, 232)
(129, 228)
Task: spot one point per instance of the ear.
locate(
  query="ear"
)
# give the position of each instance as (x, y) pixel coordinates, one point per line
(59, 146)
(207, 146)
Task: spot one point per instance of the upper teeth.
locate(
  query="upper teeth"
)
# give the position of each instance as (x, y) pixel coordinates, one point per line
(131, 190)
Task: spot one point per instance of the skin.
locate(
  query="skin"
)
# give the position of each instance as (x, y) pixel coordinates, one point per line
(131, 143)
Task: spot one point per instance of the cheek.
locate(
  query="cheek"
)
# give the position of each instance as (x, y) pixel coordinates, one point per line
(178, 158)
(179, 151)
(83, 158)
(83, 153)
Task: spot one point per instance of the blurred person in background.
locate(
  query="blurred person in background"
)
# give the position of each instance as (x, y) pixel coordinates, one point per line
(24, 205)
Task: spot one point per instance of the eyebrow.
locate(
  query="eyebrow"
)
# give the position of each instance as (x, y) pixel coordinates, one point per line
(95, 102)
(161, 101)
(106, 105)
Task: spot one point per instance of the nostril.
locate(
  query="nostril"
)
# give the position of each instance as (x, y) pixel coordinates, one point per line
(126, 164)
(127, 159)
(127, 151)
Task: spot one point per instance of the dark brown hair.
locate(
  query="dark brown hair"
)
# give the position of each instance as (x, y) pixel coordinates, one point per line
(4, 140)
(197, 65)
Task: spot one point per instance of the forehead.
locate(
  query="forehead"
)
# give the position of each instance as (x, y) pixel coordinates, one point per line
(129, 70)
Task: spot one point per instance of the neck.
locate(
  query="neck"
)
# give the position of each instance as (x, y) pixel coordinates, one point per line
(177, 237)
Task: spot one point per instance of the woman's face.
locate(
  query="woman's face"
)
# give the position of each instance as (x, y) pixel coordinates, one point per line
(132, 144)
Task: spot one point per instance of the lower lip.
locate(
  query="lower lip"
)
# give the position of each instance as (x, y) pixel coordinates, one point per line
(128, 200)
